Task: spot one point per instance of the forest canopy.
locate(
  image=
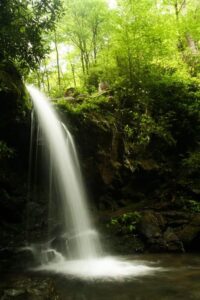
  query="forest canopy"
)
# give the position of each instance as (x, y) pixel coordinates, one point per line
(23, 25)
(136, 41)
(83, 42)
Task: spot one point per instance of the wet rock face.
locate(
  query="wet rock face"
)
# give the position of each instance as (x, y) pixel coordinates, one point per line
(170, 231)
(161, 232)
(13, 103)
(151, 229)
(14, 133)
(14, 118)
(101, 150)
(173, 242)
(190, 233)
(151, 225)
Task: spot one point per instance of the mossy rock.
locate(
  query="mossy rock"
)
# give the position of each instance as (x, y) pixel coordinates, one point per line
(151, 224)
(14, 108)
(13, 95)
(190, 232)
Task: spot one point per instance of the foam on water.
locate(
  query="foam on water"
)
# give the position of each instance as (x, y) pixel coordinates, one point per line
(106, 268)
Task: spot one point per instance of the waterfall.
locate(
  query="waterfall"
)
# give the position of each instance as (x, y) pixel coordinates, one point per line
(82, 255)
(82, 240)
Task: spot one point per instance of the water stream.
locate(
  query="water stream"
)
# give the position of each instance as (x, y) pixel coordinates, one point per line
(82, 255)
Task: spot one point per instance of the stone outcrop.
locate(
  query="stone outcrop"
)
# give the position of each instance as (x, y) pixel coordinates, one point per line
(14, 136)
(158, 232)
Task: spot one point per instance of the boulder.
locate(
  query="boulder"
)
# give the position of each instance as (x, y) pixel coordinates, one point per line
(173, 243)
(190, 233)
(103, 86)
(70, 92)
(151, 225)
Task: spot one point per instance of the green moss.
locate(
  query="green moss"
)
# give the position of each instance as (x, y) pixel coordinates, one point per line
(89, 104)
(5, 151)
(125, 223)
(14, 117)
(191, 205)
(14, 98)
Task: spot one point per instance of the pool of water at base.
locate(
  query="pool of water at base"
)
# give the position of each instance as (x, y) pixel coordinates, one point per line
(177, 278)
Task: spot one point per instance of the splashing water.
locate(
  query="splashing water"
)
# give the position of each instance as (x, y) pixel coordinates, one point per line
(106, 268)
(71, 189)
(86, 255)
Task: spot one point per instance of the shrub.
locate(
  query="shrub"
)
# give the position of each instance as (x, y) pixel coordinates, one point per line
(125, 223)
(5, 151)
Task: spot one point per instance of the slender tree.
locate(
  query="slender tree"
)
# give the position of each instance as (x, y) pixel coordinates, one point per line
(85, 28)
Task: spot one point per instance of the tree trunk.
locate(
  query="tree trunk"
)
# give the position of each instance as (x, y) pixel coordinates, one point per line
(94, 41)
(38, 79)
(47, 78)
(191, 44)
(82, 63)
(73, 74)
(57, 58)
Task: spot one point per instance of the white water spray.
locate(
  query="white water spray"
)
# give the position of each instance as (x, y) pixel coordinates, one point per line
(67, 169)
(86, 258)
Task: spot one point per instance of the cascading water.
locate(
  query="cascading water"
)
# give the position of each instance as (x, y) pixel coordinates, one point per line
(71, 190)
(83, 255)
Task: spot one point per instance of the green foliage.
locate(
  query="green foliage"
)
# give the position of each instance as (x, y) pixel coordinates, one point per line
(56, 91)
(144, 126)
(138, 43)
(177, 105)
(125, 223)
(192, 162)
(193, 206)
(93, 103)
(22, 28)
(5, 151)
(189, 205)
(84, 26)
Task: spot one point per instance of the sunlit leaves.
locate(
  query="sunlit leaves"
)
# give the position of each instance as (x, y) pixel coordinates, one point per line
(22, 25)
(132, 44)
